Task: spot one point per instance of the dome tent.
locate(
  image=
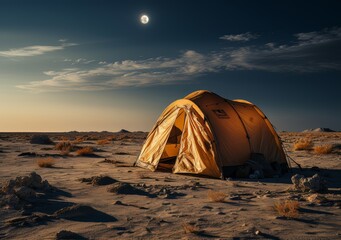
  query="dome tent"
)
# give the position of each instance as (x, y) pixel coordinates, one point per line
(206, 134)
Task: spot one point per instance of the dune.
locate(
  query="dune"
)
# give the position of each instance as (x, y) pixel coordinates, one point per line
(106, 197)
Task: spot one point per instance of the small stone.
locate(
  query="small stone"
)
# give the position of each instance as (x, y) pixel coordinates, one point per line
(257, 232)
(117, 202)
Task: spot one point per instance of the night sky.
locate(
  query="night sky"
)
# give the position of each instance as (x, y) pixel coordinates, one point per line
(92, 65)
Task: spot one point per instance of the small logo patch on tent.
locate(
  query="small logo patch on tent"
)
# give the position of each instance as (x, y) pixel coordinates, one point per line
(220, 113)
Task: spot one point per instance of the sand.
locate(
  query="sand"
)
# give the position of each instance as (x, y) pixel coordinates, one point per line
(134, 203)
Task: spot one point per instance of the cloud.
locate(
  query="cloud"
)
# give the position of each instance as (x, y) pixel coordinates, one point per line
(244, 37)
(34, 50)
(309, 52)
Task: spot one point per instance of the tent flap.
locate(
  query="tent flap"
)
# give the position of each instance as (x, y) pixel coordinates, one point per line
(196, 154)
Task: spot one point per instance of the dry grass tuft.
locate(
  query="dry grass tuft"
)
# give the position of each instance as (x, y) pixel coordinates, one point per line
(323, 149)
(64, 147)
(288, 208)
(216, 196)
(80, 139)
(46, 162)
(85, 151)
(303, 144)
(189, 228)
(104, 141)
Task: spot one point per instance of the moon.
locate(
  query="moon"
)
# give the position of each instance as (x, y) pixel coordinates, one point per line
(144, 19)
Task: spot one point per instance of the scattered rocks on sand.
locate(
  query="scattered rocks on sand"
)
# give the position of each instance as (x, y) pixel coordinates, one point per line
(168, 191)
(22, 190)
(29, 221)
(309, 184)
(125, 188)
(41, 139)
(99, 180)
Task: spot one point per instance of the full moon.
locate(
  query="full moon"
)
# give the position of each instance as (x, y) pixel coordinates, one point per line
(144, 19)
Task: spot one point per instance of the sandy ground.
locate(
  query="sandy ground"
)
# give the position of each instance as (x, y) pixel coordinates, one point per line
(162, 205)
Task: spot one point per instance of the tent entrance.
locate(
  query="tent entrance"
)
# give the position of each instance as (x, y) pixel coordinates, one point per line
(172, 148)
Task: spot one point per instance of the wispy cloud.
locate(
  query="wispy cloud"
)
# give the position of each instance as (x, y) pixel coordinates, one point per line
(35, 50)
(309, 52)
(80, 61)
(244, 37)
(128, 73)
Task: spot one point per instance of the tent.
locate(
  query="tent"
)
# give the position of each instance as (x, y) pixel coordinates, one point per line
(206, 134)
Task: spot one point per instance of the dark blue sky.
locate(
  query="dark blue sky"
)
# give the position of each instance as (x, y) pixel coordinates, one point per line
(91, 65)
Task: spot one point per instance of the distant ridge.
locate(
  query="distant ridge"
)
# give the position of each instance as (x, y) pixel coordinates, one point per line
(319, 130)
(124, 131)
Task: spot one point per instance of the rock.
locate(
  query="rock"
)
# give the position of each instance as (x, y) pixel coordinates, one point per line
(19, 192)
(124, 188)
(309, 184)
(26, 193)
(8, 187)
(257, 232)
(40, 139)
(10, 201)
(117, 202)
(34, 181)
(64, 234)
(102, 180)
(316, 198)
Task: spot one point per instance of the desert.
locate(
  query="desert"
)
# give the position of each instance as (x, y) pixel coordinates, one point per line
(170, 120)
(83, 185)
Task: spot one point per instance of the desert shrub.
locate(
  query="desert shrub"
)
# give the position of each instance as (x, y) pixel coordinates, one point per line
(64, 146)
(80, 139)
(85, 151)
(46, 162)
(288, 208)
(189, 228)
(323, 149)
(63, 138)
(216, 196)
(303, 144)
